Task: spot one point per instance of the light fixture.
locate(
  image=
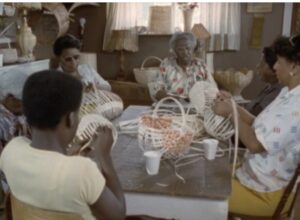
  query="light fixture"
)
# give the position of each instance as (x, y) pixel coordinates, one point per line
(202, 34)
(123, 40)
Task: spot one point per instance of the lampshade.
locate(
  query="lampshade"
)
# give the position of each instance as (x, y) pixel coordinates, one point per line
(28, 6)
(123, 40)
(200, 32)
(89, 59)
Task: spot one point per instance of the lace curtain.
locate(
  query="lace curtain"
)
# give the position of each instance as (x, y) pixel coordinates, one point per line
(222, 20)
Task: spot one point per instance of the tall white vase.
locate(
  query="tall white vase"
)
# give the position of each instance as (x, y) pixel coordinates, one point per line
(26, 40)
(188, 19)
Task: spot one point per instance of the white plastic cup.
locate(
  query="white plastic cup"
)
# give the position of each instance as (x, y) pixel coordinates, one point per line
(152, 161)
(210, 148)
(1, 60)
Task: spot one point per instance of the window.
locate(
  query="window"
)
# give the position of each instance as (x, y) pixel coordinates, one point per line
(222, 20)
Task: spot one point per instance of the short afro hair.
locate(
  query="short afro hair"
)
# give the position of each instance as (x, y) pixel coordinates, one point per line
(49, 95)
(65, 42)
(289, 48)
(270, 57)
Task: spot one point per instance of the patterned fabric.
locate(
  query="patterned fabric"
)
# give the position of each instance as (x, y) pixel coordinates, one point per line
(11, 126)
(177, 81)
(263, 99)
(90, 76)
(278, 129)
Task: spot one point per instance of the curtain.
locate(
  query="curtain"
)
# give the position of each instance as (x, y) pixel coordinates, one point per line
(120, 16)
(222, 20)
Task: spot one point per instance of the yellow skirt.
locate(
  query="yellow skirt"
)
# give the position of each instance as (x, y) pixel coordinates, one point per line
(249, 202)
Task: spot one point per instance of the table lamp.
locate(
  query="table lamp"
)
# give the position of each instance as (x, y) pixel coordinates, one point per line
(25, 38)
(123, 40)
(202, 34)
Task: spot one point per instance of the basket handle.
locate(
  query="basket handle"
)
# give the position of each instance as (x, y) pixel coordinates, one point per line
(148, 58)
(177, 102)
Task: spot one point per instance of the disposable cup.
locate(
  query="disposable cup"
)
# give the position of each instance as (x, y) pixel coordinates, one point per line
(152, 161)
(1, 60)
(210, 148)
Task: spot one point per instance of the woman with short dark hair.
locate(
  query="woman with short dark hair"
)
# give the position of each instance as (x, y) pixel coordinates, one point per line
(67, 52)
(272, 139)
(267, 73)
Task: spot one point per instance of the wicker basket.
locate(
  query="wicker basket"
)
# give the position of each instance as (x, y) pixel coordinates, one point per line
(217, 126)
(101, 102)
(234, 81)
(195, 121)
(144, 75)
(158, 130)
(202, 95)
(87, 128)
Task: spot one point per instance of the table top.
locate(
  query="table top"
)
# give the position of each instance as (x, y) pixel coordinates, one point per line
(205, 179)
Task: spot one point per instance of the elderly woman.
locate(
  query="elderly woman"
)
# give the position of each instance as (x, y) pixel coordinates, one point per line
(67, 52)
(12, 122)
(180, 72)
(272, 138)
(267, 74)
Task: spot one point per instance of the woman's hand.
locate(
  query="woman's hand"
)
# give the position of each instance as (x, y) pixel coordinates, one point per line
(101, 144)
(223, 95)
(222, 107)
(89, 88)
(162, 93)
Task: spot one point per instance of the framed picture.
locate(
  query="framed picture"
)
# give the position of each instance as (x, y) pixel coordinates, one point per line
(295, 26)
(259, 7)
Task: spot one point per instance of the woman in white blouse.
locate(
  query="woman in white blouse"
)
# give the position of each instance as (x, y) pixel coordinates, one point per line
(67, 52)
(272, 139)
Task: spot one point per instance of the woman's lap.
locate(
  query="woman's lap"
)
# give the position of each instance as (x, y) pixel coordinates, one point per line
(249, 202)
